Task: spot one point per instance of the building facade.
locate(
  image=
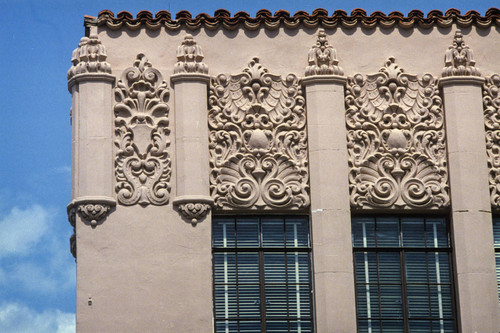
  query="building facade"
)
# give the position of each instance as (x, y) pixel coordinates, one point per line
(305, 173)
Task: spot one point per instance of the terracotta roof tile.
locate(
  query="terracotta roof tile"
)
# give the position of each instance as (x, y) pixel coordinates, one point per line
(319, 17)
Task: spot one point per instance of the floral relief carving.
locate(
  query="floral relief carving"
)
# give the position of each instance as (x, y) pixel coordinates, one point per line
(322, 58)
(396, 140)
(142, 163)
(258, 142)
(459, 59)
(491, 103)
(89, 57)
(190, 57)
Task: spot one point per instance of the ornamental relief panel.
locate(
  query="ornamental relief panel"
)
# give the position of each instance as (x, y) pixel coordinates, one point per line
(142, 162)
(396, 141)
(258, 142)
(491, 103)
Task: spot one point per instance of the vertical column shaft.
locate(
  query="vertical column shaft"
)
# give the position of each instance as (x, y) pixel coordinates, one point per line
(191, 141)
(471, 211)
(331, 220)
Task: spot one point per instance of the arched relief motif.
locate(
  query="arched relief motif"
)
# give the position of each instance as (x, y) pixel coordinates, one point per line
(396, 141)
(142, 163)
(258, 142)
(491, 103)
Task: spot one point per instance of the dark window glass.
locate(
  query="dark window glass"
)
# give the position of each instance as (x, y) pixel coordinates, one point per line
(496, 239)
(403, 274)
(262, 274)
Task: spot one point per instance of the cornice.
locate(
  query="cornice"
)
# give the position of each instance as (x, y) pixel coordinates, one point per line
(301, 19)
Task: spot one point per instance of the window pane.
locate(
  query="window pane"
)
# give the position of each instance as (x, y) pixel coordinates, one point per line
(277, 326)
(437, 234)
(297, 232)
(363, 232)
(249, 301)
(496, 232)
(439, 267)
(368, 326)
(389, 267)
(392, 326)
(441, 302)
(248, 268)
(299, 301)
(301, 326)
(276, 301)
(225, 301)
(298, 267)
(250, 327)
(413, 232)
(387, 232)
(366, 267)
(247, 232)
(418, 301)
(416, 267)
(420, 326)
(273, 232)
(223, 233)
(497, 260)
(226, 327)
(274, 267)
(367, 301)
(391, 301)
(224, 267)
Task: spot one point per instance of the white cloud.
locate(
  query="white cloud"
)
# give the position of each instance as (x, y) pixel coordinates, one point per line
(22, 229)
(15, 317)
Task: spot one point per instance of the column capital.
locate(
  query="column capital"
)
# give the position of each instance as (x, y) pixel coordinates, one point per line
(325, 79)
(190, 77)
(461, 80)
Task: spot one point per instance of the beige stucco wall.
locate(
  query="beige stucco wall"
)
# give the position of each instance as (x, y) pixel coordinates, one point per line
(148, 269)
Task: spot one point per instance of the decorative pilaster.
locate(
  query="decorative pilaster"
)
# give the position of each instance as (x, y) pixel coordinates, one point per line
(330, 212)
(470, 200)
(90, 83)
(190, 82)
(491, 105)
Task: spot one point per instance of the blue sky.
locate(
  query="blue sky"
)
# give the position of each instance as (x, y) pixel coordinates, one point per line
(37, 271)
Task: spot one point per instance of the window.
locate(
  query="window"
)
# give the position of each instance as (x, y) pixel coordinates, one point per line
(403, 275)
(496, 240)
(262, 274)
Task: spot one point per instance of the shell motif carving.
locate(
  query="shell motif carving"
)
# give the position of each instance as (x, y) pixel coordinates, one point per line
(396, 141)
(491, 103)
(142, 163)
(258, 142)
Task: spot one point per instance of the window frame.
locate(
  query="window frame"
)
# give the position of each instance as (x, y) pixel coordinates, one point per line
(402, 251)
(262, 285)
(495, 218)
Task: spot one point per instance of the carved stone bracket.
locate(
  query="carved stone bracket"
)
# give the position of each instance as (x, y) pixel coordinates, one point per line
(322, 58)
(491, 104)
(92, 210)
(190, 57)
(194, 208)
(258, 142)
(459, 59)
(142, 163)
(396, 141)
(89, 58)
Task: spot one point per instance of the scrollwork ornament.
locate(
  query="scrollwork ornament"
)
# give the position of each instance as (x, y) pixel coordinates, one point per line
(258, 143)
(396, 141)
(142, 163)
(491, 106)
